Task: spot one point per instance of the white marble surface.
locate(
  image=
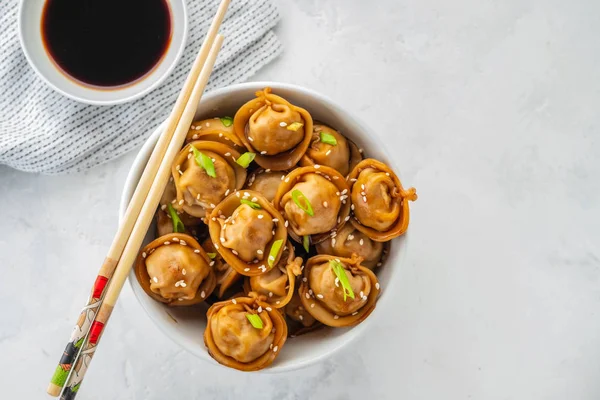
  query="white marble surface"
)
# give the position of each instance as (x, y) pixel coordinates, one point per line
(492, 110)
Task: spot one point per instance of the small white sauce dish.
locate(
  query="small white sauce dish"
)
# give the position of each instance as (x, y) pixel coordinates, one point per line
(30, 35)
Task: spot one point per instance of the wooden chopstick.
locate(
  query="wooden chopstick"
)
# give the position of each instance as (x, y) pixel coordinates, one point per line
(88, 313)
(141, 227)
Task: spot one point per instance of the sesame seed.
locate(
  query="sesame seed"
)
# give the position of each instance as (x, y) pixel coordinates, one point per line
(211, 264)
(268, 170)
(270, 294)
(365, 199)
(320, 296)
(220, 135)
(361, 242)
(207, 124)
(196, 251)
(250, 139)
(350, 237)
(379, 264)
(352, 207)
(325, 204)
(178, 167)
(237, 194)
(259, 309)
(233, 301)
(317, 166)
(304, 279)
(377, 286)
(333, 241)
(360, 150)
(336, 316)
(163, 207)
(183, 271)
(203, 294)
(275, 349)
(353, 180)
(275, 219)
(227, 192)
(246, 194)
(263, 152)
(286, 224)
(307, 295)
(387, 173)
(365, 298)
(181, 202)
(167, 243)
(282, 176)
(195, 136)
(144, 254)
(212, 205)
(362, 294)
(222, 239)
(328, 152)
(300, 317)
(287, 180)
(216, 246)
(176, 239)
(254, 199)
(277, 302)
(246, 269)
(335, 178)
(189, 156)
(260, 216)
(337, 282)
(355, 312)
(235, 252)
(268, 309)
(362, 186)
(271, 346)
(198, 196)
(259, 251)
(347, 218)
(155, 279)
(214, 218)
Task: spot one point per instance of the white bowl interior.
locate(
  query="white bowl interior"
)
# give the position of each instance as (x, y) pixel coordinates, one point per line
(302, 350)
(30, 17)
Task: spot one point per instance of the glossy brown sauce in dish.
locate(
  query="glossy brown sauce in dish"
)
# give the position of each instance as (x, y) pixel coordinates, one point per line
(106, 43)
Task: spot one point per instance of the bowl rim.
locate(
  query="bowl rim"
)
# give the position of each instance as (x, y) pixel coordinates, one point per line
(134, 96)
(139, 164)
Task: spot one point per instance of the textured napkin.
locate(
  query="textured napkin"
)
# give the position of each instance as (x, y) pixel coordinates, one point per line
(43, 131)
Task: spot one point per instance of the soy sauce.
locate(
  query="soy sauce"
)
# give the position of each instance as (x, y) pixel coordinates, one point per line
(106, 43)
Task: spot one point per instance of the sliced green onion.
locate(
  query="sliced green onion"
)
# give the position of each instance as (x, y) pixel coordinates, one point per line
(255, 320)
(306, 242)
(328, 138)
(211, 255)
(340, 272)
(227, 121)
(178, 226)
(252, 204)
(245, 159)
(274, 251)
(205, 162)
(294, 126)
(76, 388)
(297, 196)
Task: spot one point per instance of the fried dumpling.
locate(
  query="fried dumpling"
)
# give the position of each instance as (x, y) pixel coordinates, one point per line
(215, 130)
(244, 333)
(330, 148)
(248, 232)
(273, 128)
(349, 241)
(314, 200)
(379, 202)
(265, 182)
(338, 291)
(204, 174)
(277, 284)
(174, 269)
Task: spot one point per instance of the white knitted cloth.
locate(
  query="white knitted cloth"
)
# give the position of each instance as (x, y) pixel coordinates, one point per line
(43, 131)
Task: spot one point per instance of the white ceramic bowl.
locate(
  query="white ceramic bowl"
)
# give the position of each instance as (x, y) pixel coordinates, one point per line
(303, 350)
(30, 34)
